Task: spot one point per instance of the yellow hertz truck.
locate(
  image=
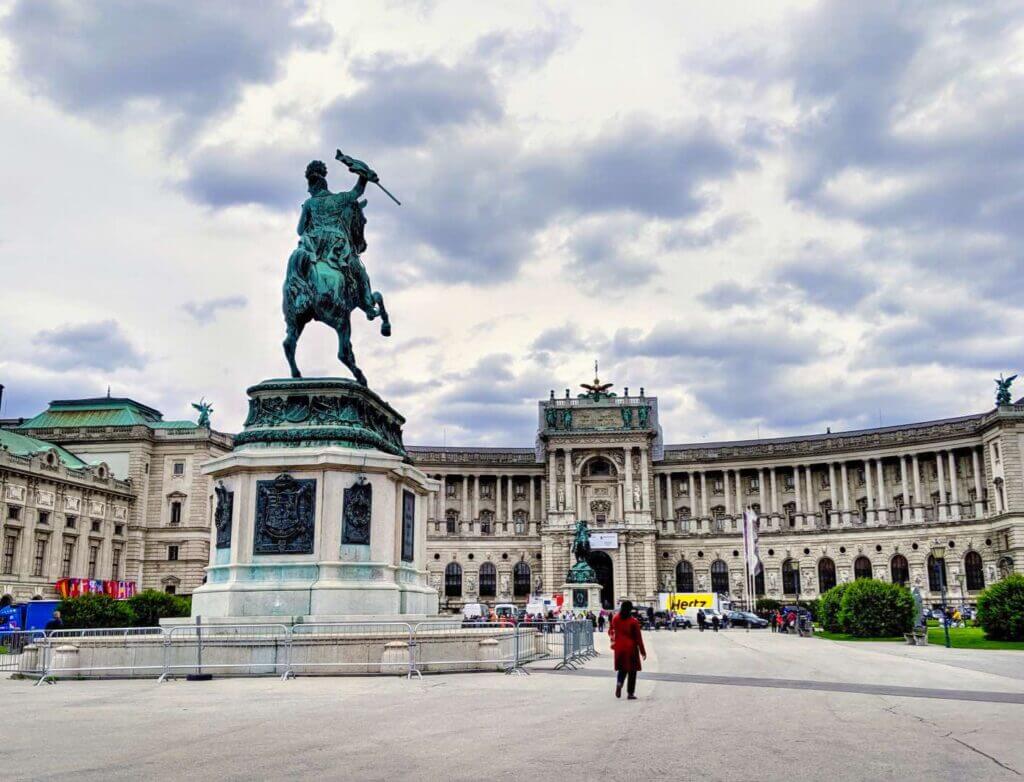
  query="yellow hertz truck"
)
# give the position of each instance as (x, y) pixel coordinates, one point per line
(688, 603)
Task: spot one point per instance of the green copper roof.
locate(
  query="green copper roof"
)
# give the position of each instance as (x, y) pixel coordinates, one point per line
(101, 411)
(20, 445)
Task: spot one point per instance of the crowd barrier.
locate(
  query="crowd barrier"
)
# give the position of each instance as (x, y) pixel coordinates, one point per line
(332, 648)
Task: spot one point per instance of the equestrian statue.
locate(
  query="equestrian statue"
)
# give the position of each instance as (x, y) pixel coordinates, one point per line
(581, 572)
(326, 279)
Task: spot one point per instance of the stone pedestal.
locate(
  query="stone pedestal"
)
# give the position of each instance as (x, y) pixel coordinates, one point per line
(581, 597)
(319, 512)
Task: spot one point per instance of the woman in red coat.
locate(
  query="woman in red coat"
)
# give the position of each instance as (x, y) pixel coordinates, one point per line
(628, 645)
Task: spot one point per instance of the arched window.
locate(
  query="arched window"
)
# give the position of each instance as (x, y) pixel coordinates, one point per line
(790, 578)
(719, 577)
(973, 571)
(862, 567)
(453, 580)
(684, 577)
(599, 467)
(936, 574)
(488, 580)
(451, 521)
(521, 579)
(899, 570)
(826, 574)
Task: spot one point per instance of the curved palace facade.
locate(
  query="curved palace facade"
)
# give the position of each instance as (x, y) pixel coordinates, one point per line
(831, 507)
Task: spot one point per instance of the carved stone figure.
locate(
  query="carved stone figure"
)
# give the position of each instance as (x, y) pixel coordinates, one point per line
(358, 508)
(550, 417)
(471, 584)
(285, 516)
(326, 279)
(561, 498)
(666, 582)
(567, 419)
(627, 417)
(643, 415)
(504, 584)
(702, 582)
(637, 497)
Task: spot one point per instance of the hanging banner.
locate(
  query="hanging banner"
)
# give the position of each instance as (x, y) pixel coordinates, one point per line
(604, 540)
(74, 587)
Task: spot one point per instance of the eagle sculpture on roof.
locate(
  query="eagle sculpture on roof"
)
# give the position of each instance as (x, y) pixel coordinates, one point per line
(597, 389)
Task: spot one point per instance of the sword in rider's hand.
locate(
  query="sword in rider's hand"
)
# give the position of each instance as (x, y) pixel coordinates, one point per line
(360, 168)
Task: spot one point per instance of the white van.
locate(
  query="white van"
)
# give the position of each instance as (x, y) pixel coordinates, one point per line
(475, 611)
(505, 611)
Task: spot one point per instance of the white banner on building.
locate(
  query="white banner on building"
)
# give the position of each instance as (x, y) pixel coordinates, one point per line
(604, 540)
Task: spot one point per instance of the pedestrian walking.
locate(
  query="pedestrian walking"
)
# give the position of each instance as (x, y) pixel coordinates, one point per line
(628, 646)
(715, 622)
(56, 623)
(600, 622)
(701, 619)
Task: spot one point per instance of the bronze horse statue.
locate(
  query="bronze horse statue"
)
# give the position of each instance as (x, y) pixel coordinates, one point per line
(326, 279)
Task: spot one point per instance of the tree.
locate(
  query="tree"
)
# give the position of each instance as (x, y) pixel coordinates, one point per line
(88, 611)
(1001, 609)
(876, 609)
(828, 608)
(151, 605)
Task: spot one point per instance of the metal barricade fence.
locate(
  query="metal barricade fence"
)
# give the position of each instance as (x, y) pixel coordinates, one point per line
(450, 646)
(577, 644)
(124, 651)
(352, 647)
(256, 649)
(22, 651)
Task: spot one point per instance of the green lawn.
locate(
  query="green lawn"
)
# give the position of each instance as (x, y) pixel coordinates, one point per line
(959, 638)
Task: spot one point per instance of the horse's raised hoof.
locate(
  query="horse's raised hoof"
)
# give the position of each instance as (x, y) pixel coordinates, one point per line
(385, 329)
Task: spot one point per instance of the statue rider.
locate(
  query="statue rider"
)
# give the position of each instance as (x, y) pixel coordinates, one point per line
(331, 229)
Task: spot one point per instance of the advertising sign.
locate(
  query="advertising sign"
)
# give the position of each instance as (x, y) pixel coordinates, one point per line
(73, 587)
(604, 540)
(680, 601)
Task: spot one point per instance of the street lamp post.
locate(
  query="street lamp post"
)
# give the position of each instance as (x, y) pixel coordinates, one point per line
(939, 555)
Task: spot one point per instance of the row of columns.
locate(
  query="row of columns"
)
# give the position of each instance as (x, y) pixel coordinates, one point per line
(566, 495)
(471, 499)
(805, 495)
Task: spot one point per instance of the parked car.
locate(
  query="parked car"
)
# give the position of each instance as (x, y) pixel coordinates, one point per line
(746, 619)
(664, 620)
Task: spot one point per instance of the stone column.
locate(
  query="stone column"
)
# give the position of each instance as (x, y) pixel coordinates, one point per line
(628, 498)
(499, 510)
(845, 478)
(476, 497)
(979, 508)
(918, 502)
(812, 506)
(798, 491)
(703, 494)
(622, 500)
(883, 495)
(727, 492)
(740, 504)
(568, 479)
(531, 487)
(622, 567)
(645, 483)
(870, 515)
(832, 494)
(761, 492)
(954, 490)
(552, 482)
(775, 491)
(441, 498)
(941, 474)
(465, 499)
(694, 511)
(658, 485)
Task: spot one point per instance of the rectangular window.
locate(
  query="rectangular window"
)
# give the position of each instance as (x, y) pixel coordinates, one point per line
(94, 554)
(449, 490)
(66, 556)
(39, 560)
(95, 526)
(10, 549)
(70, 522)
(171, 589)
(179, 468)
(172, 553)
(787, 482)
(44, 517)
(13, 512)
(755, 484)
(115, 566)
(175, 513)
(119, 529)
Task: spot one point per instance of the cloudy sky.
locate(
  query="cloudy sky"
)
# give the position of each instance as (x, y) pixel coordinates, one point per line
(776, 217)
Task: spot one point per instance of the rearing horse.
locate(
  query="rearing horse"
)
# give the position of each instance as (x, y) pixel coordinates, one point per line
(326, 279)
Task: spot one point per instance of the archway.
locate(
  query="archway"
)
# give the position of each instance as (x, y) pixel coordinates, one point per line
(602, 564)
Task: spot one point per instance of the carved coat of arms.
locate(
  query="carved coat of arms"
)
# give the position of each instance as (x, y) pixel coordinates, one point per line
(285, 516)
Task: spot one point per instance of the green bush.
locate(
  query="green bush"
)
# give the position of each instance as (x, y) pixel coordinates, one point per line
(1001, 609)
(150, 606)
(96, 611)
(766, 605)
(876, 609)
(828, 608)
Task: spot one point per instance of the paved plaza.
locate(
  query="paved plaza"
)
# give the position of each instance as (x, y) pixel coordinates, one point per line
(736, 705)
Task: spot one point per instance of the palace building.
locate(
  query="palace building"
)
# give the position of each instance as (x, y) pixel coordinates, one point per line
(105, 488)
